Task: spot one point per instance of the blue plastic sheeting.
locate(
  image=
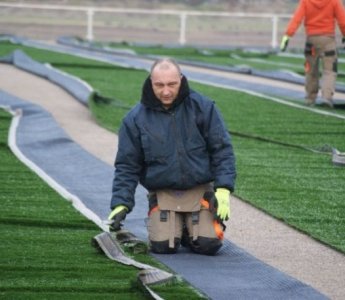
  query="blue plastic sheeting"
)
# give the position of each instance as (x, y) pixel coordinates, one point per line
(72, 85)
(232, 274)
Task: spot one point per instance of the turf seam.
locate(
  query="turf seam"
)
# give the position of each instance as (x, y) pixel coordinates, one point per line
(263, 139)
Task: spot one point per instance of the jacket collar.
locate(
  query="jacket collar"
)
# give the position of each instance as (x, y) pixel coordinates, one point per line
(149, 99)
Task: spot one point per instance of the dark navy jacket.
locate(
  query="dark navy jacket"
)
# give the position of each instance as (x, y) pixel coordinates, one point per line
(178, 148)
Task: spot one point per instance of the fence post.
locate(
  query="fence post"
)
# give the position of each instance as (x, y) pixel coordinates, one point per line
(183, 21)
(274, 42)
(89, 34)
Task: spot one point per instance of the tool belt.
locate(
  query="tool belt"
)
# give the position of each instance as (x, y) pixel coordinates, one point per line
(170, 202)
(309, 49)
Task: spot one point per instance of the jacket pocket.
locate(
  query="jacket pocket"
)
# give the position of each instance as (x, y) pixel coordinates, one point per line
(154, 147)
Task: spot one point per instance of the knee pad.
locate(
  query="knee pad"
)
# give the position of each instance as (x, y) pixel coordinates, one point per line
(162, 247)
(206, 246)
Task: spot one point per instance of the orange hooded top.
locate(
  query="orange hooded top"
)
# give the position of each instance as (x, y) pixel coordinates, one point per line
(319, 17)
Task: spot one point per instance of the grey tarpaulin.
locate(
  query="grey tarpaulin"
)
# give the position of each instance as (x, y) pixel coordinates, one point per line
(281, 75)
(144, 62)
(232, 274)
(73, 85)
(203, 76)
(108, 243)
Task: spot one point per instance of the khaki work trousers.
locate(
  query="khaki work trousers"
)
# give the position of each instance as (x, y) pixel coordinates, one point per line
(161, 231)
(320, 48)
(183, 217)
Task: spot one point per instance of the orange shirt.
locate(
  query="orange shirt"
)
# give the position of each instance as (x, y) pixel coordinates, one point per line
(319, 17)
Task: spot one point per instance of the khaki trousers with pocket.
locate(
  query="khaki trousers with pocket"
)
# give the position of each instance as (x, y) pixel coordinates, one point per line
(320, 48)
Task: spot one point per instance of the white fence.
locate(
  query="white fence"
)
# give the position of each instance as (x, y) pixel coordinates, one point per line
(165, 27)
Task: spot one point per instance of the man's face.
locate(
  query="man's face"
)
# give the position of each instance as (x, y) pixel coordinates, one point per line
(166, 82)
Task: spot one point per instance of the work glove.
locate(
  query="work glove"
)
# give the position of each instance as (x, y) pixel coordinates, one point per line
(284, 43)
(223, 201)
(116, 216)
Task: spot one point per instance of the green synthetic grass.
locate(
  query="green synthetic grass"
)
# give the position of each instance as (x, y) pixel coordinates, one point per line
(45, 250)
(229, 57)
(256, 116)
(298, 186)
(45, 243)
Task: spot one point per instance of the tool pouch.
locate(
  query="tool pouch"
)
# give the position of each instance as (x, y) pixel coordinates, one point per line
(209, 202)
(170, 202)
(309, 49)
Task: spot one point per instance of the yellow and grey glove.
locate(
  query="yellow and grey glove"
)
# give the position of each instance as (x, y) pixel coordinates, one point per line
(284, 43)
(223, 203)
(116, 216)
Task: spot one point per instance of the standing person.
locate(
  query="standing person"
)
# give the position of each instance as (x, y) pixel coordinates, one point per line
(174, 142)
(319, 18)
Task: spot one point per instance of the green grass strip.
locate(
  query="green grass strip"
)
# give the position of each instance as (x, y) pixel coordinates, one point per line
(264, 61)
(45, 250)
(302, 188)
(45, 243)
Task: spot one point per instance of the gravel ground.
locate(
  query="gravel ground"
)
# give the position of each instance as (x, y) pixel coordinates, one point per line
(261, 235)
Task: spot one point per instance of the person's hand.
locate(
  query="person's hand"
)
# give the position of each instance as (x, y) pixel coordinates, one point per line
(343, 40)
(223, 201)
(284, 43)
(116, 216)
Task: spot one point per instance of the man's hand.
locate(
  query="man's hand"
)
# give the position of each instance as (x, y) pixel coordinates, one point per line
(223, 200)
(284, 43)
(117, 215)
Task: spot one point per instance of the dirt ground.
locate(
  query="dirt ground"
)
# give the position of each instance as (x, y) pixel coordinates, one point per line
(259, 234)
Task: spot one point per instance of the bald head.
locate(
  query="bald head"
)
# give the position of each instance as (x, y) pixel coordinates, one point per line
(166, 80)
(165, 64)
